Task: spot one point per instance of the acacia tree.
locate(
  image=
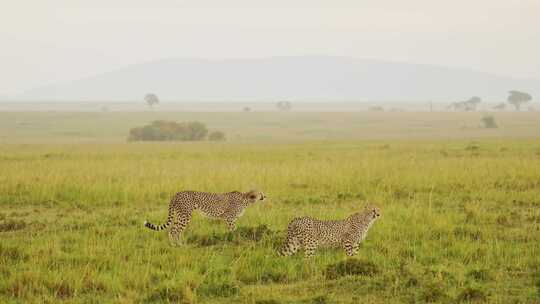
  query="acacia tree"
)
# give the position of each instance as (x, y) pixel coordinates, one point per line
(517, 98)
(151, 99)
(284, 105)
(501, 106)
(467, 105)
(473, 102)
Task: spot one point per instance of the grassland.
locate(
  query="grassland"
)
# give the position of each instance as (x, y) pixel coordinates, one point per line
(264, 127)
(460, 223)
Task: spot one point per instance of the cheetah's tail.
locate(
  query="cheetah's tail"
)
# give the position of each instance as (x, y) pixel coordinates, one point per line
(159, 227)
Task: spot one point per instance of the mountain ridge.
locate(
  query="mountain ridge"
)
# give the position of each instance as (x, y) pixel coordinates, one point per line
(309, 78)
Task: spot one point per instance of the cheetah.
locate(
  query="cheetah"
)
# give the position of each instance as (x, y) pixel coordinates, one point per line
(309, 233)
(227, 206)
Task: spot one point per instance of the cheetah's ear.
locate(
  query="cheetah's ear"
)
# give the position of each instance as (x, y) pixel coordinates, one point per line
(251, 194)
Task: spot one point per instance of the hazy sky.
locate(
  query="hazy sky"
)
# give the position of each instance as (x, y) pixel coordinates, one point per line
(44, 42)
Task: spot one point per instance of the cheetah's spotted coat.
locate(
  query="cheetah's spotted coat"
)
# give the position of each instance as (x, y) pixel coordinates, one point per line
(309, 233)
(227, 206)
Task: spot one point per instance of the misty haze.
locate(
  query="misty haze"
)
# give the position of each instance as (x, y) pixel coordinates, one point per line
(306, 78)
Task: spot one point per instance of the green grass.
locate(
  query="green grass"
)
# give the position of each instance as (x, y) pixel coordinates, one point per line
(460, 221)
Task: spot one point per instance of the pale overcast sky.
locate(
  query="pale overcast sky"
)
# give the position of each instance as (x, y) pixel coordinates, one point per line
(44, 42)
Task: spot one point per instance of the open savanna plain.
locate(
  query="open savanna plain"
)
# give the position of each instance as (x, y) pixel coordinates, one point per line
(460, 208)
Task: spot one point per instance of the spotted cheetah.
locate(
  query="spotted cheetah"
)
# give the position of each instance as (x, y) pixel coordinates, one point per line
(227, 206)
(310, 233)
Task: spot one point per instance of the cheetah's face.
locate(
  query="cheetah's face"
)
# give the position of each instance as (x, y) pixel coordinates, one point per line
(254, 196)
(375, 212)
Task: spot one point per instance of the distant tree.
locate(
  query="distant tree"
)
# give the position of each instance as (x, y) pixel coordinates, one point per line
(501, 106)
(284, 105)
(473, 102)
(467, 105)
(517, 98)
(246, 109)
(458, 106)
(216, 136)
(376, 109)
(489, 122)
(151, 99)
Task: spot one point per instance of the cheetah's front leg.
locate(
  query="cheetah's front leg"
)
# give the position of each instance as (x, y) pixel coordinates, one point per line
(355, 248)
(310, 245)
(231, 223)
(351, 247)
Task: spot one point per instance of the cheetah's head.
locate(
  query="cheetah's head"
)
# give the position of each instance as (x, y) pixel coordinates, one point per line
(373, 211)
(254, 196)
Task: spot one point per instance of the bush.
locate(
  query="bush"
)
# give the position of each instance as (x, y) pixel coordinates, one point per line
(222, 289)
(320, 300)
(216, 136)
(12, 225)
(12, 255)
(269, 301)
(536, 278)
(171, 294)
(479, 275)
(472, 147)
(62, 290)
(351, 267)
(161, 130)
(489, 122)
(470, 294)
(433, 293)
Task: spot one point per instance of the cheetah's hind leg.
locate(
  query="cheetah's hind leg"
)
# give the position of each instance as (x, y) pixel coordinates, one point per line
(178, 226)
(291, 245)
(174, 235)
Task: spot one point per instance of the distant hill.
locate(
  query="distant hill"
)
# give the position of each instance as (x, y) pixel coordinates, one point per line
(308, 78)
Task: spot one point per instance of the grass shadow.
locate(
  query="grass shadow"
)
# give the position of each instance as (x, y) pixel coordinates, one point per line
(240, 235)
